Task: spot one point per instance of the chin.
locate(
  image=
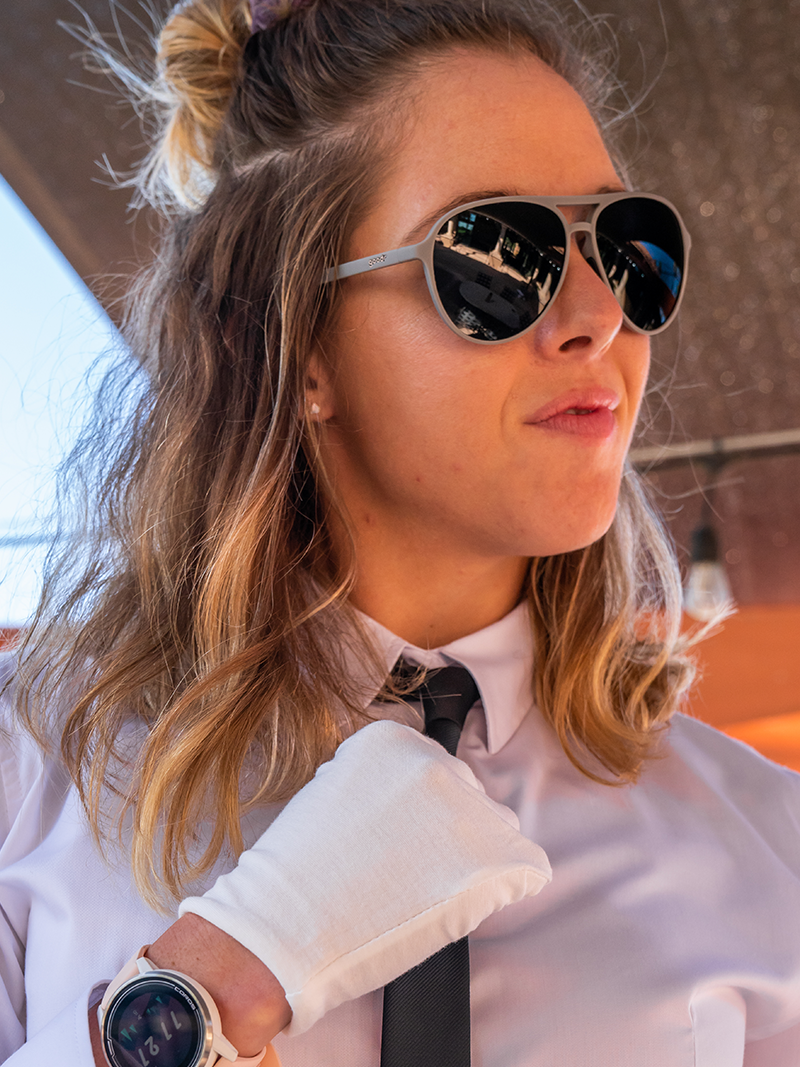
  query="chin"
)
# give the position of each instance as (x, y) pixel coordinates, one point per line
(561, 542)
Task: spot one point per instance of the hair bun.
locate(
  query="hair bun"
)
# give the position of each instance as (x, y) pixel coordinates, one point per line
(199, 58)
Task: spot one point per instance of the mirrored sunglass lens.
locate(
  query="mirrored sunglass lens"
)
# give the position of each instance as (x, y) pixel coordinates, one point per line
(641, 246)
(496, 267)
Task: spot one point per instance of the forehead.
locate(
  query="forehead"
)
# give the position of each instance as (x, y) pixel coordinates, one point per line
(487, 123)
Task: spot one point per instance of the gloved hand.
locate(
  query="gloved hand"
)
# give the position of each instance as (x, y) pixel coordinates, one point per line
(391, 851)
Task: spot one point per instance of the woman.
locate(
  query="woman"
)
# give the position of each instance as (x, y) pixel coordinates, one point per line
(324, 475)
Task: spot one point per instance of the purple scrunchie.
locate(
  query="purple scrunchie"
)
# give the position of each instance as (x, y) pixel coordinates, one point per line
(267, 12)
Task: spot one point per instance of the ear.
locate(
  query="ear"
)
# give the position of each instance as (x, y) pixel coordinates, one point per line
(319, 399)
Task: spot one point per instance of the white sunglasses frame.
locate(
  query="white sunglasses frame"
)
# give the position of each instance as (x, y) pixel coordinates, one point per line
(423, 251)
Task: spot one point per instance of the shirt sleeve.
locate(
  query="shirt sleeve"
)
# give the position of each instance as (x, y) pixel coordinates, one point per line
(23, 784)
(17, 778)
(64, 1041)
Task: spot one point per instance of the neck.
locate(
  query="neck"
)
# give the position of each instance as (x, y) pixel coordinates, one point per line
(430, 603)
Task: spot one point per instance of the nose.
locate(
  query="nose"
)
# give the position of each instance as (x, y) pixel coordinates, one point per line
(584, 318)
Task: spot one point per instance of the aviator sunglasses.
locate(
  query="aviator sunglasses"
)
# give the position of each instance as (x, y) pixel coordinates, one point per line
(494, 267)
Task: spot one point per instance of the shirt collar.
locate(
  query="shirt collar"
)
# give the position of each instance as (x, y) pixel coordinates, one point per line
(499, 657)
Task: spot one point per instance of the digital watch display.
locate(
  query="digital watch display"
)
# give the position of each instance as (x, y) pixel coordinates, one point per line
(156, 1022)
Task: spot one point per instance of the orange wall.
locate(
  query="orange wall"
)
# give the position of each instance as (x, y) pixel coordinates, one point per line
(750, 684)
(7, 638)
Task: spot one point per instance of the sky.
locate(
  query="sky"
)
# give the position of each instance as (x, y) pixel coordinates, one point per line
(53, 330)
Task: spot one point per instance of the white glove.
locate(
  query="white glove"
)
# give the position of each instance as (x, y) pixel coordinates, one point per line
(391, 851)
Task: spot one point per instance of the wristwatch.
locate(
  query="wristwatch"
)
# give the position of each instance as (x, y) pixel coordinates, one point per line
(160, 1018)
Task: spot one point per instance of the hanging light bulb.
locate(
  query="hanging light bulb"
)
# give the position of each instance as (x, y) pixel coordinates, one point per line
(707, 590)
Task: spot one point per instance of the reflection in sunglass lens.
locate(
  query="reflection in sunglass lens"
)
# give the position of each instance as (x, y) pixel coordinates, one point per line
(641, 247)
(497, 267)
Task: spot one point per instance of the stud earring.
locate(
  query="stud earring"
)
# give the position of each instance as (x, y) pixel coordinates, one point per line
(315, 409)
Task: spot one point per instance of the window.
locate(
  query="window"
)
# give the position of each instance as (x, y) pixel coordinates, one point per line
(52, 331)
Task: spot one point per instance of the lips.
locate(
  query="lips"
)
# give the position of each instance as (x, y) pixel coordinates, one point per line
(583, 412)
(576, 401)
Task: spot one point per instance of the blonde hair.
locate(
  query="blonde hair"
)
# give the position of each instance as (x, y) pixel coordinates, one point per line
(194, 617)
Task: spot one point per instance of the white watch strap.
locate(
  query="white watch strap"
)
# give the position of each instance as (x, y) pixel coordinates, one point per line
(221, 1048)
(128, 971)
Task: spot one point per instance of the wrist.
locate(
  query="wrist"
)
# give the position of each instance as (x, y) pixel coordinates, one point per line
(250, 1000)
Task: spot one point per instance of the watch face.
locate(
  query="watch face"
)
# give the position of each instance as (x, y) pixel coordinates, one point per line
(154, 1022)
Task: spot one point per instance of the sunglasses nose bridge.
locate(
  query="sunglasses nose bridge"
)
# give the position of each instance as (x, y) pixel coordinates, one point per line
(586, 246)
(581, 226)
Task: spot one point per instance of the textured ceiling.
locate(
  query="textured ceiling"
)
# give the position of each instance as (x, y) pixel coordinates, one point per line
(720, 135)
(718, 132)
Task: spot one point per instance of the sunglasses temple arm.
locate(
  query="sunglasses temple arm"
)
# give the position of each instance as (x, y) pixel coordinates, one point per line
(368, 263)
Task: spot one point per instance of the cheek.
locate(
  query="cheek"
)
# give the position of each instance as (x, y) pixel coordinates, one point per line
(638, 370)
(394, 355)
(417, 413)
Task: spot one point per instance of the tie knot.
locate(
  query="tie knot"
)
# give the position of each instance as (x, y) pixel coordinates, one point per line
(447, 694)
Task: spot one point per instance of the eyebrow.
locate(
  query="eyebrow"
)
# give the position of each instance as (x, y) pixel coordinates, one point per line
(423, 226)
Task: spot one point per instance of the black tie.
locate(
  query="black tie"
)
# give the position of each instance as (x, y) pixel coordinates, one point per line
(426, 1010)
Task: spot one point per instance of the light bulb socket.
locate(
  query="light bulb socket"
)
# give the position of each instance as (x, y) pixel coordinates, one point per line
(705, 545)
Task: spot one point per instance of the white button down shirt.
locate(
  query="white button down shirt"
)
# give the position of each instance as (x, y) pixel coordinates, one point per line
(669, 936)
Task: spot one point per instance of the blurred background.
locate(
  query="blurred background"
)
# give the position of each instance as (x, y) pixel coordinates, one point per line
(717, 89)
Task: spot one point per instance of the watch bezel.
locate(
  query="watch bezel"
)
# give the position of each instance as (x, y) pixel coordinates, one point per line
(172, 982)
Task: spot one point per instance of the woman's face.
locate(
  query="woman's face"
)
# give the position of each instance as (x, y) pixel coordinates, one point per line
(452, 447)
